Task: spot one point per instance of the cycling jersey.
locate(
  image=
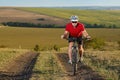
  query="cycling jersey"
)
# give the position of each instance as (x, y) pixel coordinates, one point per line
(75, 31)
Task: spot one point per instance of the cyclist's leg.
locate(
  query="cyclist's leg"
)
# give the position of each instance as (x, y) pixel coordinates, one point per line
(80, 48)
(70, 50)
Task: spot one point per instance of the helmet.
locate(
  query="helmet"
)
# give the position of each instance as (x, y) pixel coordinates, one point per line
(74, 18)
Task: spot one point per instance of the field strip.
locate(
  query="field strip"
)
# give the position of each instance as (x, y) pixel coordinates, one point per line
(60, 64)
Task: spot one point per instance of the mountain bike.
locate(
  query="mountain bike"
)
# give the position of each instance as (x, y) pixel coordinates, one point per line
(75, 53)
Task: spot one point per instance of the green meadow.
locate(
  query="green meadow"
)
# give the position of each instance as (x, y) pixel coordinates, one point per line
(105, 17)
(29, 37)
(46, 38)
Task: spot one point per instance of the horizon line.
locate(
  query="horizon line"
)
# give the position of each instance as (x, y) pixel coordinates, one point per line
(68, 6)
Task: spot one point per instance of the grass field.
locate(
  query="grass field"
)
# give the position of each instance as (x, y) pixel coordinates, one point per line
(29, 37)
(46, 38)
(107, 17)
(13, 37)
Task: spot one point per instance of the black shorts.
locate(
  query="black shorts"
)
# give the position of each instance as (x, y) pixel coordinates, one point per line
(79, 40)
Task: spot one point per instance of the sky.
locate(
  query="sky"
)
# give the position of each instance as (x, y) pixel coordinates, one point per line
(58, 3)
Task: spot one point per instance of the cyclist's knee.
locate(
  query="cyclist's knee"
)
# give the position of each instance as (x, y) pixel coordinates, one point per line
(70, 45)
(81, 49)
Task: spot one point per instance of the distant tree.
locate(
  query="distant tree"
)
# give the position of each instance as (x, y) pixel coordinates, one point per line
(36, 48)
(114, 26)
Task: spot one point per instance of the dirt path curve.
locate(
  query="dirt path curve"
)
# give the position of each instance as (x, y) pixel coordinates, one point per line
(20, 68)
(84, 72)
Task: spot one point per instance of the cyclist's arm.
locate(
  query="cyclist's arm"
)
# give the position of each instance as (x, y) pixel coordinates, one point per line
(85, 34)
(65, 35)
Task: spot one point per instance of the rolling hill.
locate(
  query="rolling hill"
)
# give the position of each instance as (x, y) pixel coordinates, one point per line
(96, 18)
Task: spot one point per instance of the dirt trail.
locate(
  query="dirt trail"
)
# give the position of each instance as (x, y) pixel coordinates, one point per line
(84, 72)
(20, 68)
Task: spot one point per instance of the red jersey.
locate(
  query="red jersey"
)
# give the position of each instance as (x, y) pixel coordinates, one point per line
(75, 31)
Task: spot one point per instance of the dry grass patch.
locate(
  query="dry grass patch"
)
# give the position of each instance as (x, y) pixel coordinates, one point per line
(7, 55)
(47, 67)
(107, 63)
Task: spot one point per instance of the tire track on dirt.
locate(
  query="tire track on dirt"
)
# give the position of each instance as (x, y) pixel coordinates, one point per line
(84, 72)
(20, 68)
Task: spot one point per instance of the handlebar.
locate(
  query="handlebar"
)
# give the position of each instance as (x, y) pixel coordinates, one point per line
(75, 39)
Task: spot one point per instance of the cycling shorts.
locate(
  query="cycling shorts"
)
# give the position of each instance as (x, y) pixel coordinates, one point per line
(79, 39)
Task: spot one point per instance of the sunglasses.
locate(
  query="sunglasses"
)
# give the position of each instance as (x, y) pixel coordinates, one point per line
(74, 21)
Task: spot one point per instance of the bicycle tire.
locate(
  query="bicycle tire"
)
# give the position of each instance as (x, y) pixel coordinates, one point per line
(74, 60)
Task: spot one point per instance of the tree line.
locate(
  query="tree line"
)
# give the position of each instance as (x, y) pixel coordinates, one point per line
(95, 25)
(23, 24)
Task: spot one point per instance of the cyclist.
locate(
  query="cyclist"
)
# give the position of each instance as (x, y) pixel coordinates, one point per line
(77, 30)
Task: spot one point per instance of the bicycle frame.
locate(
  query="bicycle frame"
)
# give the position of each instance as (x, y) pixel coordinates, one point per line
(74, 55)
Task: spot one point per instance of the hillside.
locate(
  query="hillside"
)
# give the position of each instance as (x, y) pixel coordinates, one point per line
(96, 18)
(14, 17)
(58, 17)
(93, 7)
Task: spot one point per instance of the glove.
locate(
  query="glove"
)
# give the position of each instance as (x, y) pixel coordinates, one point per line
(88, 37)
(62, 36)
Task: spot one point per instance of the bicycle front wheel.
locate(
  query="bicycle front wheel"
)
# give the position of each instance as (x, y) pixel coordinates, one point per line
(74, 60)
